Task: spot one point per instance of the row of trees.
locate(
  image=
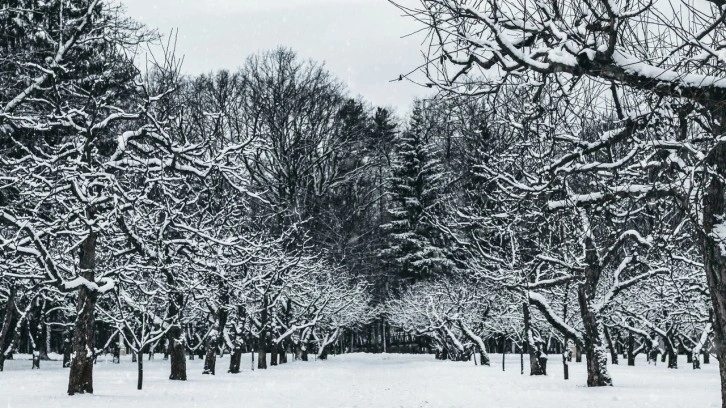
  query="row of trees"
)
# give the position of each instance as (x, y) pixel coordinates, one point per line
(599, 182)
(198, 210)
(566, 193)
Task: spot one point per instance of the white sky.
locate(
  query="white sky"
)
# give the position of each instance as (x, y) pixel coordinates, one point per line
(359, 40)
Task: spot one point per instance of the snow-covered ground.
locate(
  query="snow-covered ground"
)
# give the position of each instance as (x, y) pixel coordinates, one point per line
(362, 380)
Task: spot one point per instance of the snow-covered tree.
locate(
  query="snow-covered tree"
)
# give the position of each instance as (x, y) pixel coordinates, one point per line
(417, 246)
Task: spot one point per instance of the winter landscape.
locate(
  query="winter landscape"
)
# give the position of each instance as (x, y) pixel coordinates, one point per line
(531, 211)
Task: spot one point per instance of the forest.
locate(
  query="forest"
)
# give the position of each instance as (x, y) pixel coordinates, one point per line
(562, 192)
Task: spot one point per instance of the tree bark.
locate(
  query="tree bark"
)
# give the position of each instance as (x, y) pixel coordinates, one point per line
(273, 355)
(714, 209)
(672, 352)
(235, 360)
(210, 359)
(35, 330)
(534, 365)
(282, 352)
(176, 348)
(81, 375)
(7, 322)
(262, 354)
(597, 374)
(140, 369)
(578, 353)
(631, 345)
(613, 350)
(67, 348)
(323, 355)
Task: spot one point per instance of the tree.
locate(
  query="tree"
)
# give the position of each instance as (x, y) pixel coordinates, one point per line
(563, 45)
(100, 135)
(417, 247)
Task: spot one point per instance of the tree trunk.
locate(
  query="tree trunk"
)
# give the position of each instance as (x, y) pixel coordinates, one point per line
(178, 356)
(210, 359)
(175, 337)
(714, 209)
(80, 379)
(534, 364)
(140, 368)
(323, 355)
(235, 360)
(117, 350)
(273, 355)
(484, 358)
(631, 345)
(67, 348)
(613, 350)
(578, 353)
(672, 357)
(298, 351)
(282, 352)
(7, 322)
(36, 360)
(262, 354)
(597, 374)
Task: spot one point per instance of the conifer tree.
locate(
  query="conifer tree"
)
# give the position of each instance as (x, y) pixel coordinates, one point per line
(417, 247)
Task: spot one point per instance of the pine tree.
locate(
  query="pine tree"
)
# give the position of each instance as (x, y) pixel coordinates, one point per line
(417, 247)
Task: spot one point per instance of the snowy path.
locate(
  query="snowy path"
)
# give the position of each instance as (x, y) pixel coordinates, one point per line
(361, 380)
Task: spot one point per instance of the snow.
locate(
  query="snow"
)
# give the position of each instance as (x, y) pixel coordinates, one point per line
(107, 285)
(636, 66)
(363, 380)
(719, 233)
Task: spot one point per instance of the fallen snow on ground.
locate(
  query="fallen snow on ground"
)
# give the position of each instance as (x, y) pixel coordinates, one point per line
(362, 380)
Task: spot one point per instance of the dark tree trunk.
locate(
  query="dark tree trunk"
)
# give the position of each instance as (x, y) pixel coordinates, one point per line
(262, 355)
(672, 353)
(36, 360)
(176, 348)
(273, 355)
(484, 358)
(631, 346)
(140, 369)
(81, 376)
(216, 338)
(597, 375)
(235, 360)
(67, 348)
(7, 322)
(714, 209)
(35, 329)
(263, 340)
(323, 355)
(177, 354)
(210, 359)
(578, 353)
(613, 350)
(695, 361)
(706, 356)
(672, 358)
(117, 350)
(534, 363)
(282, 352)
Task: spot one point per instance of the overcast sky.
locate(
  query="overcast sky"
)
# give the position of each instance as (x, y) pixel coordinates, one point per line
(359, 40)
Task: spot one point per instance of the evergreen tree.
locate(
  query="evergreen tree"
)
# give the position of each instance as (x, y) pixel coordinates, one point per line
(417, 247)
